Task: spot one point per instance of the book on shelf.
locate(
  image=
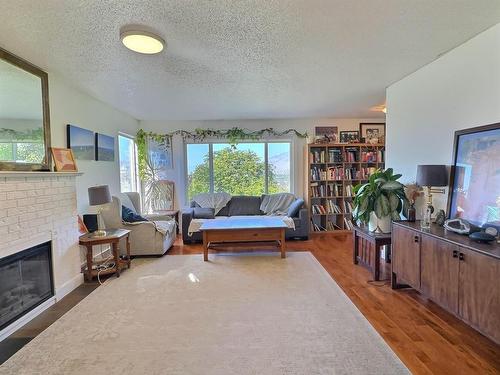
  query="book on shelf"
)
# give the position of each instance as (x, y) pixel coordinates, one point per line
(336, 173)
(318, 209)
(349, 191)
(317, 156)
(334, 190)
(317, 190)
(318, 174)
(347, 207)
(317, 228)
(348, 224)
(333, 208)
(334, 155)
(351, 155)
(331, 226)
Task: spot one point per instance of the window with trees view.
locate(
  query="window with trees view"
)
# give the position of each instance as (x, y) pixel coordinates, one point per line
(128, 163)
(242, 169)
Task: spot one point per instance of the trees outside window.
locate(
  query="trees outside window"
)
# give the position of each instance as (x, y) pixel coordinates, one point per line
(242, 169)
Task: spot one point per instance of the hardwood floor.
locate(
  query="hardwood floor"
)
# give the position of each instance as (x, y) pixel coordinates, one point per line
(428, 339)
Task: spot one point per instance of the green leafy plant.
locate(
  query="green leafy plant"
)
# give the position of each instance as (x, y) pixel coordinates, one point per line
(382, 194)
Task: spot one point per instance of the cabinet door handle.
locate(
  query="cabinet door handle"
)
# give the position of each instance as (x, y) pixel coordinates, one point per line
(415, 239)
(455, 254)
(461, 256)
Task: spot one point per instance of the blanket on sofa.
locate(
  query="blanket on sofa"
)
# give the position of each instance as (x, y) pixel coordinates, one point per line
(195, 224)
(217, 201)
(164, 227)
(276, 204)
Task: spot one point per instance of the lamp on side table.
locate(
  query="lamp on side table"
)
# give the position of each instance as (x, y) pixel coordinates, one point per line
(98, 196)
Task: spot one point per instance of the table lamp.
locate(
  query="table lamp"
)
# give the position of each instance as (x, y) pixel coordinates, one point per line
(429, 177)
(98, 196)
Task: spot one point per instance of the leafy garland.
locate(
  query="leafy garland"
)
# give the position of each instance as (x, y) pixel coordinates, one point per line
(233, 135)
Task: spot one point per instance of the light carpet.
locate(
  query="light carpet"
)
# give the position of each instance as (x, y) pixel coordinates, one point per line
(237, 314)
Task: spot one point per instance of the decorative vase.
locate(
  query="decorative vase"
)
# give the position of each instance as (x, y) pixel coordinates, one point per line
(377, 225)
(412, 213)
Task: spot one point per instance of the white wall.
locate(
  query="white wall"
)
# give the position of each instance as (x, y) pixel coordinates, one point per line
(459, 90)
(70, 106)
(302, 125)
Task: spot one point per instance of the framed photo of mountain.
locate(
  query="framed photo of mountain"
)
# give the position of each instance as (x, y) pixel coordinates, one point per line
(81, 141)
(104, 147)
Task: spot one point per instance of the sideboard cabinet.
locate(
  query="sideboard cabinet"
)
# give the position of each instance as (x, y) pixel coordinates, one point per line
(455, 272)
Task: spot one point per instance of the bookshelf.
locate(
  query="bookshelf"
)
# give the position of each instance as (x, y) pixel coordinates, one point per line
(333, 169)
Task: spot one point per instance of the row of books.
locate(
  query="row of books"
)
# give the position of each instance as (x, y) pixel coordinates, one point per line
(372, 156)
(318, 174)
(334, 155)
(330, 190)
(331, 207)
(332, 226)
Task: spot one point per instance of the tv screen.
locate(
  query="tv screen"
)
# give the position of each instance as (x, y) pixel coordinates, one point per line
(475, 194)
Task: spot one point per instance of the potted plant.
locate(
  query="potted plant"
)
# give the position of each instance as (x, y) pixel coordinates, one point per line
(379, 201)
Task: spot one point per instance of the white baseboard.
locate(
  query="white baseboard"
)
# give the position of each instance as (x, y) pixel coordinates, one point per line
(68, 286)
(10, 329)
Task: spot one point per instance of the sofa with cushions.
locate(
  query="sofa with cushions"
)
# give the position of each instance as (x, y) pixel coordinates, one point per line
(150, 234)
(245, 206)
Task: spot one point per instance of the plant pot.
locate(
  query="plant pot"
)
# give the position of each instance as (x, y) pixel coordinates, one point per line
(379, 225)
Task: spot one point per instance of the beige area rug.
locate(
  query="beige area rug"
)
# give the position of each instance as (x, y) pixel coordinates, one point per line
(237, 314)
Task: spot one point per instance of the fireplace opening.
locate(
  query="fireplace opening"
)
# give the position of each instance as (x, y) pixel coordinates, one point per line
(25, 282)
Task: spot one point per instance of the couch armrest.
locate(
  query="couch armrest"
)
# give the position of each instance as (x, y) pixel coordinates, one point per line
(187, 216)
(304, 214)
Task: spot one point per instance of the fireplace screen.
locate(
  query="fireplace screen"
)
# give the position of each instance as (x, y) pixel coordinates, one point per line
(25, 282)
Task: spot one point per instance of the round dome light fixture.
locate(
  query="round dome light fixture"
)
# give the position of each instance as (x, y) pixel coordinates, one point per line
(142, 41)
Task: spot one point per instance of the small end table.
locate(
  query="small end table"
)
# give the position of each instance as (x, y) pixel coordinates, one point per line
(366, 248)
(112, 237)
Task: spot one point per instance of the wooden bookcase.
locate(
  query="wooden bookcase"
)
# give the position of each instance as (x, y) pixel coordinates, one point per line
(333, 169)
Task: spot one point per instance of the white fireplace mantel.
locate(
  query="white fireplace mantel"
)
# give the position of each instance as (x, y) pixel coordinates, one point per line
(37, 174)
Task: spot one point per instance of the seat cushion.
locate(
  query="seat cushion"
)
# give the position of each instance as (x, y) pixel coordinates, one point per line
(295, 207)
(244, 205)
(203, 213)
(129, 216)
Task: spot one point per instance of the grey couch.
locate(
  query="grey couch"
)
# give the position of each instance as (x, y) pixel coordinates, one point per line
(243, 205)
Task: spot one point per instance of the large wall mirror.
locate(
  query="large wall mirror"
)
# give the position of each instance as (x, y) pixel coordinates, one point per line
(24, 115)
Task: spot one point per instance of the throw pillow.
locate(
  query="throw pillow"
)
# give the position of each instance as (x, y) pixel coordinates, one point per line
(130, 216)
(295, 207)
(203, 213)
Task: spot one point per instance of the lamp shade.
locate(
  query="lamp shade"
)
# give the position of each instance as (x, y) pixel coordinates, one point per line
(432, 175)
(99, 195)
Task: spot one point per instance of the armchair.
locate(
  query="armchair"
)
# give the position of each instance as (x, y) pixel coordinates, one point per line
(145, 238)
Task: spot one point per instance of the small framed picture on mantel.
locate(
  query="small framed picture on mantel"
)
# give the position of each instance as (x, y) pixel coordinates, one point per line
(372, 132)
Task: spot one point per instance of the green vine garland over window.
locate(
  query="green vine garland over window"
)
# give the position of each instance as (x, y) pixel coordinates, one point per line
(233, 135)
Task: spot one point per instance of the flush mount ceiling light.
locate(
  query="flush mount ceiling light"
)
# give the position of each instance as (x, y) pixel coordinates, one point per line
(379, 108)
(142, 41)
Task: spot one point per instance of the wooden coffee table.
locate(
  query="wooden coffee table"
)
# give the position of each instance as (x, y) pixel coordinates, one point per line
(243, 230)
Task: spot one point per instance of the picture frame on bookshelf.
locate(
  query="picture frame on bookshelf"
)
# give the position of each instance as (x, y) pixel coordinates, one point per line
(349, 136)
(372, 131)
(326, 134)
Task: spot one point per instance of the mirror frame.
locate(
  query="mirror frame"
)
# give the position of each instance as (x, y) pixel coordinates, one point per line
(46, 164)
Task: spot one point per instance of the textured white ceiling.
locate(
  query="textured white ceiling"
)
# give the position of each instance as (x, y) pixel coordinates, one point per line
(241, 59)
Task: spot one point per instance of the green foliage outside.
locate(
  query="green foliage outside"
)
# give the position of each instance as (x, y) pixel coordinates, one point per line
(25, 152)
(237, 172)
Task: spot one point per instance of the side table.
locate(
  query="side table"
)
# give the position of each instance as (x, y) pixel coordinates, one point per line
(112, 237)
(366, 248)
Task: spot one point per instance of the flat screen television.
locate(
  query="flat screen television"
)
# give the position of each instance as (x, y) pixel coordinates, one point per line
(475, 190)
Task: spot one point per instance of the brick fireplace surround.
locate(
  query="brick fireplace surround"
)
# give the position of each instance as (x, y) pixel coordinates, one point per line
(36, 207)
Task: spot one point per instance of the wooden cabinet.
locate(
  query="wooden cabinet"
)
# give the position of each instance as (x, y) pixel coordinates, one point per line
(479, 292)
(439, 271)
(460, 275)
(406, 260)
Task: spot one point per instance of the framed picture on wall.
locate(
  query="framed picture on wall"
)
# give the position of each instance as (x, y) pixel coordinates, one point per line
(64, 160)
(326, 134)
(81, 141)
(349, 136)
(372, 131)
(104, 147)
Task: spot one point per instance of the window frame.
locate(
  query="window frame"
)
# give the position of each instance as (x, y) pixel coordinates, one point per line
(266, 162)
(135, 171)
